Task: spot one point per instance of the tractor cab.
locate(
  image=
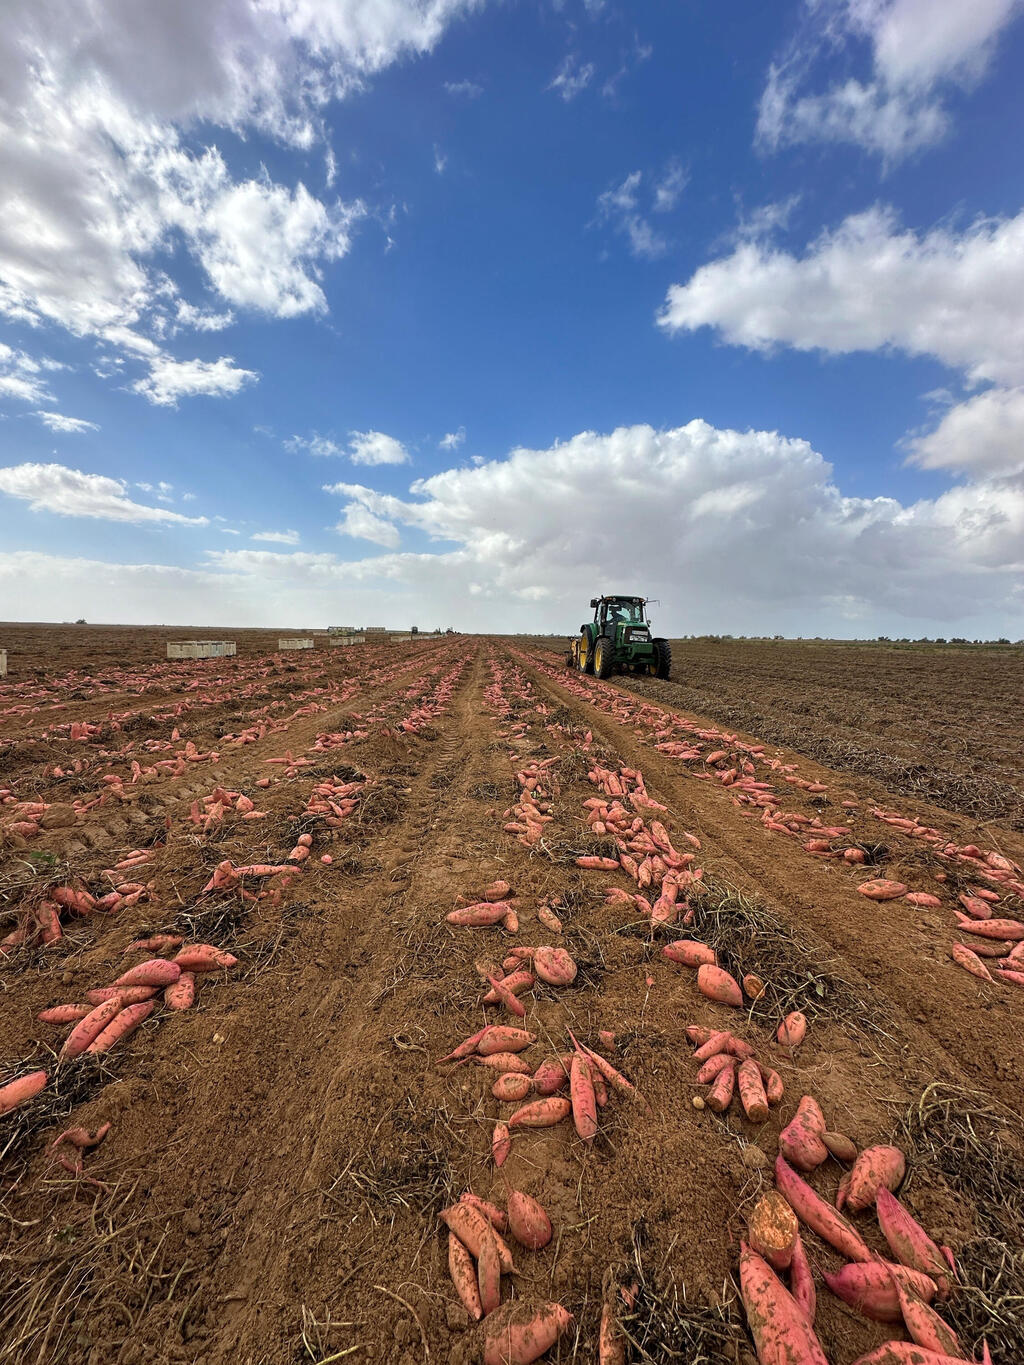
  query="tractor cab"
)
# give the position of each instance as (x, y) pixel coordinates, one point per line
(619, 640)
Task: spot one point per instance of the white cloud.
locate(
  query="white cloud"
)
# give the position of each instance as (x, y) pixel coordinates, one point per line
(168, 380)
(373, 447)
(440, 160)
(620, 208)
(103, 108)
(278, 537)
(669, 188)
(357, 520)
(57, 421)
(22, 376)
(71, 493)
(871, 284)
(754, 518)
(572, 78)
(469, 90)
(983, 436)
(187, 315)
(918, 50)
(313, 445)
(452, 440)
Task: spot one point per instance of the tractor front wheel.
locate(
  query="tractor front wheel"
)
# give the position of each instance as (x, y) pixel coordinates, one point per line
(662, 659)
(604, 656)
(586, 654)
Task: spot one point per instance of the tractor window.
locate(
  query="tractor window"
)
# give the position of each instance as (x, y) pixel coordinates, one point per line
(624, 613)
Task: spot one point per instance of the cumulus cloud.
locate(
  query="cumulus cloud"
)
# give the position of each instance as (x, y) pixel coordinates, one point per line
(359, 521)
(373, 447)
(72, 493)
(103, 112)
(278, 537)
(669, 188)
(572, 78)
(69, 426)
(982, 436)
(917, 50)
(871, 284)
(168, 380)
(737, 531)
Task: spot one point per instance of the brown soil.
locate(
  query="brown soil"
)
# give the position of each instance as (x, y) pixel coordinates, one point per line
(280, 1152)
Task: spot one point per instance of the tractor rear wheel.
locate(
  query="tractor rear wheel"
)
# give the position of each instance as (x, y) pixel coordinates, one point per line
(586, 654)
(604, 656)
(662, 659)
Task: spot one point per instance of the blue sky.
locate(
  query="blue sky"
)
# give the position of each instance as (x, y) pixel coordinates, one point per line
(457, 312)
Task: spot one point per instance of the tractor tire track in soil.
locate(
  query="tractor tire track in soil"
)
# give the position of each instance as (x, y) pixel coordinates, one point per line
(281, 1152)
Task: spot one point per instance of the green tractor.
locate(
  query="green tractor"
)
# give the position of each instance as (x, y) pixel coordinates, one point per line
(619, 640)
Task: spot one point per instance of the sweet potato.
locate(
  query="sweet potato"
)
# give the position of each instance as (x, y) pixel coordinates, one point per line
(501, 1144)
(712, 1046)
(541, 1113)
(615, 1078)
(713, 1066)
(203, 957)
(875, 1168)
(689, 953)
(504, 1038)
(156, 943)
(64, 1014)
(811, 1209)
(470, 1227)
(127, 995)
(881, 889)
(511, 1002)
(26, 1087)
(549, 919)
(720, 1095)
(752, 1095)
(611, 1345)
(924, 898)
(584, 1100)
(970, 961)
(478, 916)
(181, 995)
(840, 1146)
(793, 1029)
(909, 1242)
(991, 928)
(555, 966)
(156, 972)
(781, 1331)
(519, 1334)
(90, 1027)
(504, 1062)
(922, 1322)
(497, 891)
(718, 985)
(552, 1074)
(905, 1353)
(753, 986)
(511, 1087)
(801, 1280)
(463, 1273)
(869, 1287)
(490, 1211)
(527, 1221)
(801, 1142)
(773, 1229)
(488, 1271)
(517, 982)
(773, 1087)
(122, 1026)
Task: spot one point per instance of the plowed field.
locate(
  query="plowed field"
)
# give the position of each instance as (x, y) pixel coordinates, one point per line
(280, 1151)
